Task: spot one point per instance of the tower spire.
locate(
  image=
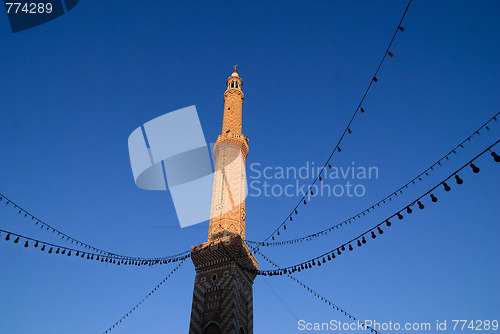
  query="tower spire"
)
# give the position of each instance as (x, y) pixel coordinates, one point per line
(233, 101)
(228, 213)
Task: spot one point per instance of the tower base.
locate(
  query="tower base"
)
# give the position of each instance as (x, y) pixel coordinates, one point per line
(223, 295)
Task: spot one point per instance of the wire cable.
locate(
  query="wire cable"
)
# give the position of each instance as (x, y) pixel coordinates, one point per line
(63, 250)
(317, 295)
(282, 302)
(43, 225)
(346, 130)
(144, 299)
(361, 239)
(389, 197)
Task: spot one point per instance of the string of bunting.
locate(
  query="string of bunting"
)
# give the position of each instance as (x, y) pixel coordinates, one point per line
(51, 248)
(144, 299)
(316, 294)
(361, 239)
(335, 307)
(461, 145)
(347, 130)
(44, 226)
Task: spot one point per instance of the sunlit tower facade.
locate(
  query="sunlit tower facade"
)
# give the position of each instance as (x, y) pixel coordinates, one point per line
(223, 296)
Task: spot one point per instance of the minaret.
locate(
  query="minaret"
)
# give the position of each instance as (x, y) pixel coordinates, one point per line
(223, 297)
(227, 215)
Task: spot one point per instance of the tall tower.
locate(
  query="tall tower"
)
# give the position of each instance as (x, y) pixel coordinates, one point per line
(223, 297)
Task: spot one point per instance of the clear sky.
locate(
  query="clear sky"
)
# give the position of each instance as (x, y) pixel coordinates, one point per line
(73, 90)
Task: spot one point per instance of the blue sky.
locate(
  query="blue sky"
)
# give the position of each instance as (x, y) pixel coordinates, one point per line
(73, 90)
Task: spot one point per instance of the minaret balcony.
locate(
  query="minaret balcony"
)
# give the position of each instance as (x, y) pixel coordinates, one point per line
(232, 138)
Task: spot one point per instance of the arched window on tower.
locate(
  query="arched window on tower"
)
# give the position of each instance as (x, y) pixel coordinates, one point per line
(212, 329)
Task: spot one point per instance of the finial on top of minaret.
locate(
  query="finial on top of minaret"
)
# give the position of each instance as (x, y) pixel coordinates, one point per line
(235, 72)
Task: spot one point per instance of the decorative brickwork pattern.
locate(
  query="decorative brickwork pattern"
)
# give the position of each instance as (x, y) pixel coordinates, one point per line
(222, 296)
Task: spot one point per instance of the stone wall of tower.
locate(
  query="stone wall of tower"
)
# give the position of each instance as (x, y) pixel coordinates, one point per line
(233, 101)
(228, 196)
(228, 211)
(222, 295)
